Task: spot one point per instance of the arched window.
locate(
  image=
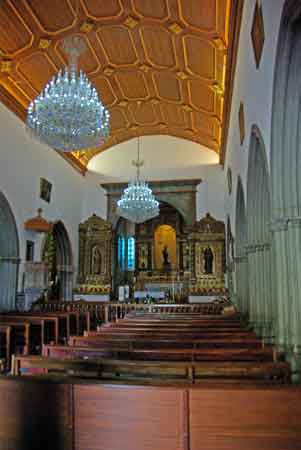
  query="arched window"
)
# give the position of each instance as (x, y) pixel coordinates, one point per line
(121, 252)
(131, 253)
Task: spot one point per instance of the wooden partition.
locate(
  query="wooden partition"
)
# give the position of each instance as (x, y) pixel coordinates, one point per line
(43, 414)
(35, 415)
(130, 418)
(245, 418)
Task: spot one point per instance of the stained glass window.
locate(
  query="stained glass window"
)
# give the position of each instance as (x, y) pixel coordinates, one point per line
(121, 252)
(131, 253)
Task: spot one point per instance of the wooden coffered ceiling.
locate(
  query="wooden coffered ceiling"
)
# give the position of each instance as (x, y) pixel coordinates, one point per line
(161, 66)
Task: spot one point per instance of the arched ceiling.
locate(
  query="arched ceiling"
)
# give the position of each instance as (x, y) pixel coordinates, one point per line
(165, 158)
(161, 66)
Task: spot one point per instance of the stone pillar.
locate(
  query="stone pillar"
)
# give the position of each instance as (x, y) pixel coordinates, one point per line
(241, 264)
(280, 280)
(259, 286)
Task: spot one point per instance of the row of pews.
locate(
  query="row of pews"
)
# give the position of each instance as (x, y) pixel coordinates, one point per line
(54, 322)
(144, 380)
(158, 348)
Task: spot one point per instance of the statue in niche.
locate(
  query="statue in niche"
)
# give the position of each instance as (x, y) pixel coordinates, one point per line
(166, 262)
(208, 260)
(96, 261)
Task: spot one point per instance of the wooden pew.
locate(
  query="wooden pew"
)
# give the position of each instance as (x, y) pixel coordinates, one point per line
(213, 334)
(38, 334)
(138, 342)
(59, 321)
(5, 344)
(20, 336)
(155, 372)
(163, 354)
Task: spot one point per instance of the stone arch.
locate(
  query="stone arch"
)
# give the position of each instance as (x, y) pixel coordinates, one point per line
(241, 234)
(64, 260)
(258, 234)
(285, 178)
(9, 256)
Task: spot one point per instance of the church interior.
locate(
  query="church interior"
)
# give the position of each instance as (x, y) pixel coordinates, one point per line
(150, 225)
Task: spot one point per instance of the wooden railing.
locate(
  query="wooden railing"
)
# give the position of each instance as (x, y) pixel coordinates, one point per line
(101, 312)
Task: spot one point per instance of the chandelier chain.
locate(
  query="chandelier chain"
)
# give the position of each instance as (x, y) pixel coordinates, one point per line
(137, 202)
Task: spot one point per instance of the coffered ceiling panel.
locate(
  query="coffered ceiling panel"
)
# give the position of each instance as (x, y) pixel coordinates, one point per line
(63, 18)
(159, 65)
(15, 35)
(102, 9)
(156, 9)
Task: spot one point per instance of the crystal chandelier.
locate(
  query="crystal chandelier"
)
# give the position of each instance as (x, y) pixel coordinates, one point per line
(137, 202)
(68, 115)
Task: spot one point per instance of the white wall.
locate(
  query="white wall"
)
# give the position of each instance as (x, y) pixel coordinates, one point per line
(255, 89)
(22, 162)
(166, 158)
(94, 199)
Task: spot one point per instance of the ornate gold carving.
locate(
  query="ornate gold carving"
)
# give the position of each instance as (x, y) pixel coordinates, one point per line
(220, 44)
(130, 22)
(182, 75)
(86, 27)
(108, 71)
(187, 108)
(218, 89)
(44, 43)
(154, 101)
(208, 240)
(175, 28)
(95, 252)
(6, 66)
(144, 67)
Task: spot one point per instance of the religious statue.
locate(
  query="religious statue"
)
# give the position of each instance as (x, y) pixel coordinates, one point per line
(166, 263)
(96, 262)
(208, 260)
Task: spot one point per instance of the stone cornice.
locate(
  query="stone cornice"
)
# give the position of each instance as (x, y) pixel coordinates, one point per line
(282, 223)
(257, 247)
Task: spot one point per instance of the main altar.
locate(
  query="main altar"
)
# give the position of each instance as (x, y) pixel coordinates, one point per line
(171, 258)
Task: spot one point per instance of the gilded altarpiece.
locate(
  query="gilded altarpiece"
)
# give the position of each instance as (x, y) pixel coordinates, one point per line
(95, 253)
(207, 240)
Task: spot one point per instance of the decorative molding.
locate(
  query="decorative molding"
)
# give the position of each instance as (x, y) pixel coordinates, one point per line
(257, 247)
(175, 28)
(6, 66)
(86, 27)
(283, 223)
(240, 259)
(235, 27)
(44, 43)
(130, 22)
(257, 33)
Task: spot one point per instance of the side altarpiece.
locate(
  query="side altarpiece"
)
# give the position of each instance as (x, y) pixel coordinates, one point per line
(95, 253)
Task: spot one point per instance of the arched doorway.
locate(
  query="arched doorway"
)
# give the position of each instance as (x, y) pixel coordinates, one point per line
(242, 288)
(258, 248)
(9, 256)
(57, 253)
(285, 178)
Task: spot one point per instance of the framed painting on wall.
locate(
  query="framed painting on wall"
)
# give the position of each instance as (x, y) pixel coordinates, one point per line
(45, 190)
